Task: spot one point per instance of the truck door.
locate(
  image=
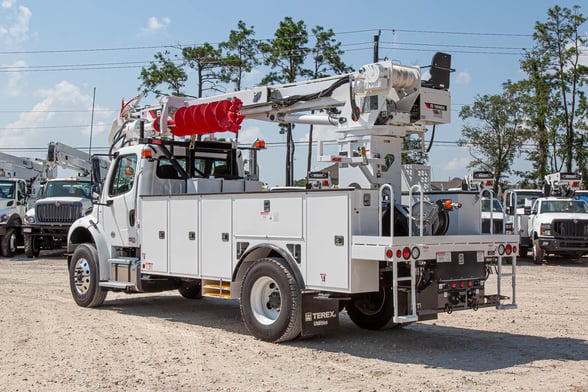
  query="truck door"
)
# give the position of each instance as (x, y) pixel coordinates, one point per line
(119, 216)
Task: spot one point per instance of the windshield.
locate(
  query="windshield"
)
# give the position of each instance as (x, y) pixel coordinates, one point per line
(68, 189)
(564, 206)
(7, 189)
(527, 195)
(496, 206)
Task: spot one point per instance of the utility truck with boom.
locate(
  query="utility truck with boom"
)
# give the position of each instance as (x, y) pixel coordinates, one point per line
(558, 223)
(20, 178)
(179, 213)
(62, 200)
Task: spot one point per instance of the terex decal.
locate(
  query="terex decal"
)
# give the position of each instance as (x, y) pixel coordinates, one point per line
(318, 314)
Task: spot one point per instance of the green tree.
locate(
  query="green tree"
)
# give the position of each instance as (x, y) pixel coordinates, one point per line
(163, 71)
(239, 55)
(556, 75)
(206, 61)
(286, 54)
(499, 133)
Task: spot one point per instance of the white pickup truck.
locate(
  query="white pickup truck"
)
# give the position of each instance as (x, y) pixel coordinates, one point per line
(558, 226)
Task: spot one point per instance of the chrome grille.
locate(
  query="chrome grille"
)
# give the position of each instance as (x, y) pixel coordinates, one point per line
(571, 228)
(58, 212)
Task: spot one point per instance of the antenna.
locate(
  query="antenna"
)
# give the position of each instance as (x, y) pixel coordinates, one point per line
(92, 122)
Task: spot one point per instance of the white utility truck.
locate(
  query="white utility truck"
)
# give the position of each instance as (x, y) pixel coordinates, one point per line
(61, 200)
(183, 214)
(517, 203)
(20, 178)
(558, 223)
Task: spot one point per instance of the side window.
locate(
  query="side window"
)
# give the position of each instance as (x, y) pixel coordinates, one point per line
(124, 175)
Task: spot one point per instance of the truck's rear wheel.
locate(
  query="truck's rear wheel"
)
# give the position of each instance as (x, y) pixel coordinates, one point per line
(9, 243)
(372, 310)
(270, 301)
(32, 248)
(84, 277)
(538, 252)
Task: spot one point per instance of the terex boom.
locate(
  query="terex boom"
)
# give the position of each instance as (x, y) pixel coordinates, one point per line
(184, 214)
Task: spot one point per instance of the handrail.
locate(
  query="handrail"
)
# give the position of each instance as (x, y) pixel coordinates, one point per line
(416, 186)
(381, 193)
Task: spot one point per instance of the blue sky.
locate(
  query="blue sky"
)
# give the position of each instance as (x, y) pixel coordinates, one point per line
(54, 53)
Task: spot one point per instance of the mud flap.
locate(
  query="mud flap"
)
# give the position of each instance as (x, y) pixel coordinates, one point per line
(318, 314)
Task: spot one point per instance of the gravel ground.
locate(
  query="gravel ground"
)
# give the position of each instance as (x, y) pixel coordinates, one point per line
(162, 342)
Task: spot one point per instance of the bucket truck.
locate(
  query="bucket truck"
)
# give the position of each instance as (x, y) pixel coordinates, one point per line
(61, 201)
(177, 213)
(558, 223)
(20, 179)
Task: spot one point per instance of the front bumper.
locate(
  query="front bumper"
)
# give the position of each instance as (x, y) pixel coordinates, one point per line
(46, 230)
(563, 245)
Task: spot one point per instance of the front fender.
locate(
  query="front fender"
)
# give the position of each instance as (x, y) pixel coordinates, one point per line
(86, 230)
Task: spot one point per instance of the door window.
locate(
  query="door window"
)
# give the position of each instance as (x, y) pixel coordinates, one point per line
(124, 175)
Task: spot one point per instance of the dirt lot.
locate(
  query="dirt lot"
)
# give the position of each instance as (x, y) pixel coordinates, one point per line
(162, 342)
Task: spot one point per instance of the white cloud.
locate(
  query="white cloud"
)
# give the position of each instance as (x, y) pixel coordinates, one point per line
(319, 132)
(249, 134)
(14, 26)
(15, 85)
(463, 78)
(63, 105)
(155, 24)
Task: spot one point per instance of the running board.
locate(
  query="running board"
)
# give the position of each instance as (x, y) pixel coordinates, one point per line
(405, 319)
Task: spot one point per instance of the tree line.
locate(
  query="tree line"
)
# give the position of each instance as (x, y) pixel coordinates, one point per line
(542, 117)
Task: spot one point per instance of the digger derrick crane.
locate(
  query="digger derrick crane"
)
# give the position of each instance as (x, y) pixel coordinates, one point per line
(293, 257)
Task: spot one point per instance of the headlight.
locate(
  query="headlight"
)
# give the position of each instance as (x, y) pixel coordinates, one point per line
(29, 219)
(545, 229)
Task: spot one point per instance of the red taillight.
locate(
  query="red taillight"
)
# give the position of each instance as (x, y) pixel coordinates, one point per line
(453, 285)
(514, 249)
(508, 249)
(398, 254)
(406, 252)
(146, 153)
(470, 283)
(575, 184)
(325, 182)
(389, 253)
(461, 284)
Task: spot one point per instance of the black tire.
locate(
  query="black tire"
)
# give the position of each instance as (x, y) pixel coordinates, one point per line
(271, 301)
(84, 275)
(8, 242)
(191, 291)
(538, 252)
(32, 247)
(373, 310)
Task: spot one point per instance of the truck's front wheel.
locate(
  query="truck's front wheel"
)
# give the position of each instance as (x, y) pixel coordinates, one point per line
(373, 310)
(32, 247)
(538, 252)
(84, 277)
(9, 243)
(270, 301)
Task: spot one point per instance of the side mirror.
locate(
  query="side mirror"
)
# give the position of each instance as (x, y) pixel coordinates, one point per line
(531, 212)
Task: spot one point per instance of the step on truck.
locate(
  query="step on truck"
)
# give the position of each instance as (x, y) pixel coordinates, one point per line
(177, 213)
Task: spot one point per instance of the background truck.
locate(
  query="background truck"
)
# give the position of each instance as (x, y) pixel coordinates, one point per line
(20, 178)
(61, 200)
(184, 214)
(517, 206)
(558, 225)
